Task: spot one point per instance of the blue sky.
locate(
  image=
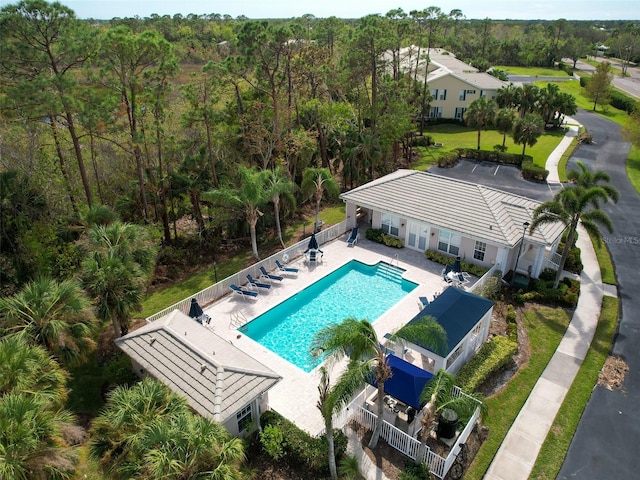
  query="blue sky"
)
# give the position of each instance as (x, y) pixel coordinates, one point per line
(473, 9)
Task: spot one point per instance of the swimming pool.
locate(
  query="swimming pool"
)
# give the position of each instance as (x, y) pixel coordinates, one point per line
(353, 290)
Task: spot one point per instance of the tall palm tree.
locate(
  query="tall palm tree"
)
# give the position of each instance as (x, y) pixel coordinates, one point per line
(28, 369)
(248, 197)
(149, 432)
(504, 120)
(579, 203)
(315, 181)
(278, 184)
(357, 340)
(56, 315)
(527, 130)
(331, 400)
(480, 115)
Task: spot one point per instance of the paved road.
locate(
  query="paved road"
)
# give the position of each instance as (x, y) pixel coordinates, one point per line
(607, 439)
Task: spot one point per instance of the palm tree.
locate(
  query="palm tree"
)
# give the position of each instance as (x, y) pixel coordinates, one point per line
(331, 401)
(507, 96)
(56, 315)
(149, 432)
(32, 441)
(315, 181)
(278, 184)
(505, 118)
(579, 203)
(28, 369)
(527, 130)
(438, 394)
(249, 197)
(480, 115)
(117, 271)
(357, 339)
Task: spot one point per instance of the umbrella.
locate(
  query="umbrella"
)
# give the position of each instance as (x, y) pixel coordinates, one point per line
(195, 310)
(313, 243)
(457, 268)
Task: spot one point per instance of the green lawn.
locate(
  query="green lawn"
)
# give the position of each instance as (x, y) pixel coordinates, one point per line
(533, 71)
(545, 327)
(456, 136)
(633, 167)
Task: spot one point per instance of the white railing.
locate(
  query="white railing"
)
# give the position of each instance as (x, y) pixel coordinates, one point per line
(404, 443)
(477, 287)
(220, 289)
(238, 320)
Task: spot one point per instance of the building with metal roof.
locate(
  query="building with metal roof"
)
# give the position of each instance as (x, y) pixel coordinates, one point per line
(480, 224)
(218, 380)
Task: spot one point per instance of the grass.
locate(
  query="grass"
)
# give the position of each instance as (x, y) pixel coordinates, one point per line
(557, 443)
(545, 327)
(633, 167)
(614, 70)
(534, 71)
(456, 136)
(604, 260)
(166, 297)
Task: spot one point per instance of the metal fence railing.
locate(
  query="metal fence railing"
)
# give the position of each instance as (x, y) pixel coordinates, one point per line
(220, 289)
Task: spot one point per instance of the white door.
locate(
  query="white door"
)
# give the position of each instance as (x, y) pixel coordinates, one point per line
(417, 235)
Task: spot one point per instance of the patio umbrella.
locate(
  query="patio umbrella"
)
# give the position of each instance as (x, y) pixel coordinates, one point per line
(457, 268)
(195, 310)
(313, 243)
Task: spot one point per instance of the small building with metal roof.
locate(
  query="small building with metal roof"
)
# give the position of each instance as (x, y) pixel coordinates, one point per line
(218, 380)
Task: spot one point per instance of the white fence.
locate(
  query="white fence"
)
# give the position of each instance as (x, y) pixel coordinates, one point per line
(477, 287)
(406, 444)
(220, 289)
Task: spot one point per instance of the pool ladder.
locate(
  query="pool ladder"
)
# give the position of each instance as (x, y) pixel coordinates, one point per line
(395, 259)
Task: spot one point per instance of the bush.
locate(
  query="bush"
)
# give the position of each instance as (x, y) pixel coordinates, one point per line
(422, 141)
(533, 172)
(302, 450)
(448, 160)
(492, 356)
(584, 80)
(272, 440)
(566, 295)
(622, 102)
(444, 259)
(378, 236)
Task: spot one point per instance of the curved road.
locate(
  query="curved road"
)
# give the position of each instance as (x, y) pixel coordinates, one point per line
(606, 442)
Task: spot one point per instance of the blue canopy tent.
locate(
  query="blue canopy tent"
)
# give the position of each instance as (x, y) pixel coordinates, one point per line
(406, 383)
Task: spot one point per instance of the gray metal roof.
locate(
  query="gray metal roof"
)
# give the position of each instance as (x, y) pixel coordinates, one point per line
(215, 377)
(473, 210)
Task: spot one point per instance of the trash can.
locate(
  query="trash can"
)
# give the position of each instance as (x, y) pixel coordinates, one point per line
(447, 423)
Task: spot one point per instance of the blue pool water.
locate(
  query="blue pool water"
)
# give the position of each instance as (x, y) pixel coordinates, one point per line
(354, 290)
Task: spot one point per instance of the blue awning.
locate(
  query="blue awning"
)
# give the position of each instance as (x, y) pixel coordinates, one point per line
(407, 381)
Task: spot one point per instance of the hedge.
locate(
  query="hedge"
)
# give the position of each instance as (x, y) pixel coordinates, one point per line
(528, 169)
(492, 356)
(378, 236)
(443, 259)
(622, 101)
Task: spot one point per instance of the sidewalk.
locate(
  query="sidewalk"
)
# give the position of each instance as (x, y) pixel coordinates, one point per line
(517, 455)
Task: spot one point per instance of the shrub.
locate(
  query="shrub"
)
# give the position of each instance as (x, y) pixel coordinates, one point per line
(272, 439)
(566, 295)
(391, 241)
(301, 449)
(443, 259)
(622, 102)
(422, 141)
(448, 160)
(492, 356)
(374, 234)
(584, 80)
(533, 172)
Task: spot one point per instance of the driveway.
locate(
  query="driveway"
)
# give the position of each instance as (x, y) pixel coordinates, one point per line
(606, 442)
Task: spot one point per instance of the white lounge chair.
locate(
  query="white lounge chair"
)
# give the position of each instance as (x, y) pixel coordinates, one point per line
(268, 276)
(257, 285)
(242, 292)
(286, 270)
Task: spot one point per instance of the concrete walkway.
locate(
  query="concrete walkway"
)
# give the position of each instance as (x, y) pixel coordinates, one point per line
(517, 455)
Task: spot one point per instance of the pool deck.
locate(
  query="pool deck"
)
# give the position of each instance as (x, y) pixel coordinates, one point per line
(295, 396)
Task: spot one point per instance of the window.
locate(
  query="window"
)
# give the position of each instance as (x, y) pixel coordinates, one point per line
(483, 94)
(390, 225)
(434, 93)
(443, 94)
(244, 418)
(479, 250)
(460, 112)
(435, 112)
(462, 96)
(449, 242)
(471, 92)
